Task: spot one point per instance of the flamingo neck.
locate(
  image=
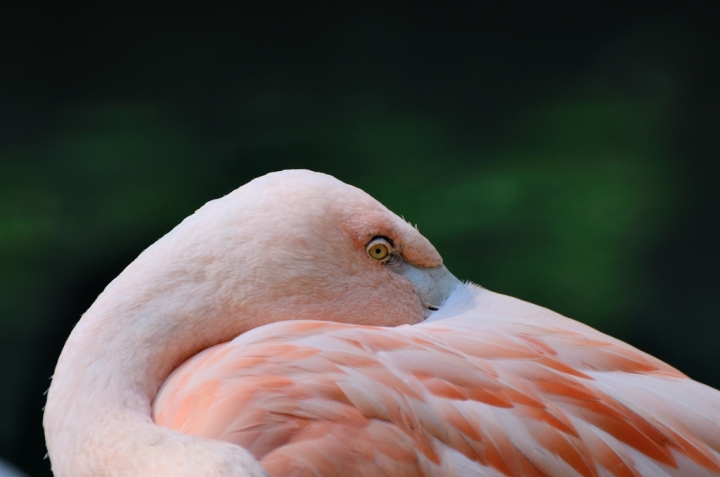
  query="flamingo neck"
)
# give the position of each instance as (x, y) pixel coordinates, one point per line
(98, 413)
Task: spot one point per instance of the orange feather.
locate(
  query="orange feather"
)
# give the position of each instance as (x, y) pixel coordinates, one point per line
(514, 394)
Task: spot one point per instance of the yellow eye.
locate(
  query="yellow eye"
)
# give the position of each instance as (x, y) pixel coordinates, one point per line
(378, 249)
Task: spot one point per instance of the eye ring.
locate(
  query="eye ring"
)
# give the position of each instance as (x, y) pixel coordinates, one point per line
(379, 249)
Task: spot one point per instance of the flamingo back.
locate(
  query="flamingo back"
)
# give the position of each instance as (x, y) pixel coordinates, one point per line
(490, 386)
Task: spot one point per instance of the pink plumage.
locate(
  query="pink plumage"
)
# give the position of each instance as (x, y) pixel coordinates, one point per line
(495, 386)
(321, 335)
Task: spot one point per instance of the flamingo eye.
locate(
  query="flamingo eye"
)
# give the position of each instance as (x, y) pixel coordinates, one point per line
(379, 249)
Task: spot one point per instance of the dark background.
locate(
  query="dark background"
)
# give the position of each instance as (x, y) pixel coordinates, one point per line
(563, 152)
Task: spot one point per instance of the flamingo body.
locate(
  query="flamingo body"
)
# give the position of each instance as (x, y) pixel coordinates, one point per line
(326, 338)
(493, 386)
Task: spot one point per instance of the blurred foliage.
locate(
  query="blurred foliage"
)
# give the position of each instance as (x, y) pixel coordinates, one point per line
(114, 176)
(560, 220)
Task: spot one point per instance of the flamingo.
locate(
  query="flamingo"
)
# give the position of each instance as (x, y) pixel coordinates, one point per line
(298, 327)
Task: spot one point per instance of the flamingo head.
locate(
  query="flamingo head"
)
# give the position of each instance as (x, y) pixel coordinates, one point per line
(303, 245)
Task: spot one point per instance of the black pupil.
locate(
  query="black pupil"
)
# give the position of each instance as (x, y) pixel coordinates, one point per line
(377, 251)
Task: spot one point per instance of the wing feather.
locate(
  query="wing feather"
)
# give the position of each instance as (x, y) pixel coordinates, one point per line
(495, 387)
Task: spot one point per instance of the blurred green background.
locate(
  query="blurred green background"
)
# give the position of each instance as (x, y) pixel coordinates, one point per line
(565, 153)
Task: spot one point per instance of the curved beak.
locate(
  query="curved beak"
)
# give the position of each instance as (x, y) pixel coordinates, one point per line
(434, 285)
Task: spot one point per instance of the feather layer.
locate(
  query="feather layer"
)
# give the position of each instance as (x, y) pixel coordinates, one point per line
(495, 387)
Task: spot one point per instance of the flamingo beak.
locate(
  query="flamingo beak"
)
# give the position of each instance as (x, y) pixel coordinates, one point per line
(434, 285)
